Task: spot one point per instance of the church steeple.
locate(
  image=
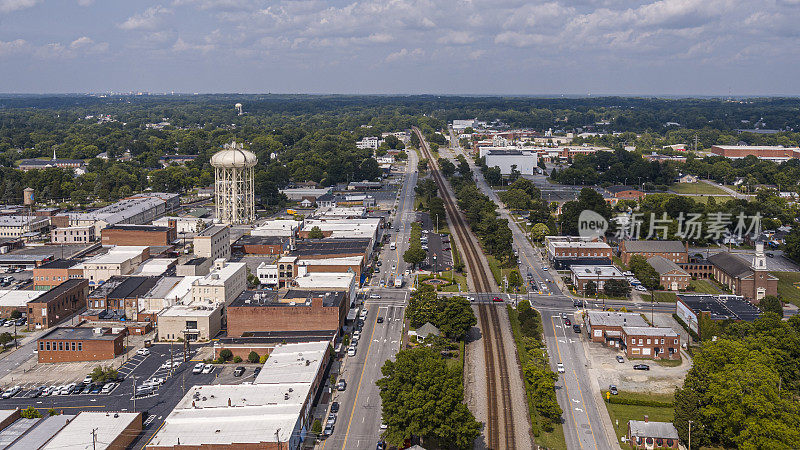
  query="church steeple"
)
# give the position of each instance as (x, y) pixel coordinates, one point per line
(760, 260)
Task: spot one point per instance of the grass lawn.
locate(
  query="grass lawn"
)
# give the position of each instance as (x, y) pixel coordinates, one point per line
(704, 287)
(461, 280)
(499, 272)
(618, 262)
(665, 296)
(620, 414)
(696, 188)
(553, 439)
(717, 198)
(787, 289)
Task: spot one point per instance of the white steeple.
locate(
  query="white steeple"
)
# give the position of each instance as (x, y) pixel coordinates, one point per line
(760, 261)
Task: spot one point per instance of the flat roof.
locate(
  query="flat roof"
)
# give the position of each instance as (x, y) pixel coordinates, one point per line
(129, 227)
(117, 255)
(119, 287)
(721, 307)
(60, 264)
(77, 334)
(107, 427)
(649, 331)
(18, 221)
(654, 246)
(293, 363)
(260, 240)
(45, 429)
(616, 319)
(212, 230)
(218, 277)
(580, 244)
(290, 298)
(331, 246)
(320, 280)
(12, 432)
(56, 292)
(16, 298)
(195, 261)
(334, 261)
(590, 271)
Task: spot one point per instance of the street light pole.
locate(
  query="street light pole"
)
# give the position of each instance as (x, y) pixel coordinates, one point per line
(690, 435)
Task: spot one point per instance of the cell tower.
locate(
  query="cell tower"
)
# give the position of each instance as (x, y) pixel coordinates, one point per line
(233, 185)
(238, 107)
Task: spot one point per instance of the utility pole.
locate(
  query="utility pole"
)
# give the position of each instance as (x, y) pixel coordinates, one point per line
(94, 438)
(134, 393)
(278, 438)
(690, 435)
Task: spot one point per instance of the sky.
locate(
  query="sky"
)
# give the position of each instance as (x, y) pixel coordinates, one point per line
(512, 47)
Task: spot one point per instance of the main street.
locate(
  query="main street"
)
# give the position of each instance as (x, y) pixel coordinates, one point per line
(359, 419)
(583, 419)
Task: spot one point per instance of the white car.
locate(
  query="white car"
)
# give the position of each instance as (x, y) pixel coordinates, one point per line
(544, 268)
(356, 335)
(208, 368)
(108, 388)
(374, 296)
(198, 368)
(351, 351)
(560, 368)
(143, 352)
(87, 379)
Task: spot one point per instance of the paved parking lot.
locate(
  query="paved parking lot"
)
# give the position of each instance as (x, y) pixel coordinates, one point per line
(137, 369)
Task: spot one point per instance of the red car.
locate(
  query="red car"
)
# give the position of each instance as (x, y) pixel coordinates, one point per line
(497, 299)
(567, 322)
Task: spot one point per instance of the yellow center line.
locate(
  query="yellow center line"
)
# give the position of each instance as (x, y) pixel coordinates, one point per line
(154, 435)
(585, 405)
(569, 399)
(358, 388)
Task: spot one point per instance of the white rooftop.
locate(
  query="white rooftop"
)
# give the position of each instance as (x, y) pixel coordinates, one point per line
(117, 255)
(77, 434)
(649, 331)
(182, 289)
(17, 298)
(218, 277)
(317, 280)
(579, 244)
(266, 411)
(18, 221)
(193, 309)
(155, 266)
(587, 271)
(342, 261)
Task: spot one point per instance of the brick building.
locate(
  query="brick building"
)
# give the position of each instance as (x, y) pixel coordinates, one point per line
(675, 251)
(748, 279)
(294, 310)
(651, 342)
(144, 235)
(623, 193)
(775, 153)
(649, 435)
(118, 298)
(606, 326)
(261, 245)
(53, 273)
(66, 344)
(57, 304)
(564, 251)
(582, 275)
(672, 277)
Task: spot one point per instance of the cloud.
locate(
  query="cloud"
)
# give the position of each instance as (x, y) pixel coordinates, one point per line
(85, 2)
(181, 46)
(16, 5)
(10, 47)
(405, 54)
(148, 20)
(82, 46)
(457, 38)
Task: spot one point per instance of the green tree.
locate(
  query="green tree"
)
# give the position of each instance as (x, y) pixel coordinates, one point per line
(516, 199)
(590, 288)
(616, 288)
(456, 318)
(414, 255)
(514, 279)
(422, 165)
(539, 231)
(540, 382)
(237, 359)
(52, 412)
(5, 338)
(225, 354)
(253, 357)
(772, 304)
(644, 272)
(446, 167)
(316, 427)
(422, 397)
(315, 233)
(16, 314)
(31, 413)
(493, 176)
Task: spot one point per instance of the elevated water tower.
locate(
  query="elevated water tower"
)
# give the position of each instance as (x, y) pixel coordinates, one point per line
(233, 184)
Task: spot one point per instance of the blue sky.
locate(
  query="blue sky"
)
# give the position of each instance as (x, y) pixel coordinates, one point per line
(552, 47)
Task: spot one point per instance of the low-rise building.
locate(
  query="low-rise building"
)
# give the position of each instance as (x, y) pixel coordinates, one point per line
(691, 307)
(581, 275)
(675, 251)
(564, 251)
(261, 245)
(213, 242)
(278, 228)
(193, 321)
(749, 279)
(194, 267)
(623, 193)
(120, 260)
(295, 310)
(118, 298)
(145, 235)
(73, 344)
(275, 410)
(12, 226)
(354, 264)
(72, 235)
(223, 284)
(651, 342)
(512, 159)
(298, 194)
(53, 273)
(57, 304)
(364, 228)
(646, 435)
(333, 248)
(16, 300)
(606, 326)
(776, 153)
(671, 276)
(98, 430)
(183, 224)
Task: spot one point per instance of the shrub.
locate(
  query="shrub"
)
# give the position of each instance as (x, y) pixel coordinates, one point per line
(639, 402)
(31, 413)
(253, 357)
(237, 359)
(263, 359)
(316, 428)
(52, 412)
(225, 354)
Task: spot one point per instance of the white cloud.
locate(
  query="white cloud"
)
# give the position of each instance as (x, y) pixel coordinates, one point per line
(181, 46)
(85, 2)
(16, 5)
(150, 19)
(9, 47)
(457, 38)
(405, 54)
(84, 45)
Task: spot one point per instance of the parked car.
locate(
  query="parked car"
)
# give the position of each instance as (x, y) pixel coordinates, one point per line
(239, 371)
(144, 390)
(620, 359)
(38, 391)
(328, 430)
(108, 388)
(335, 407)
(374, 296)
(96, 389)
(577, 303)
(10, 392)
(208, 368)
(79, 389)
(497, 299)
(143, 352)
(198, 368)
(351, 351)
(613, 390)
(560, 367)
(256, 371)
(381, 446)
(341, 385)
(567, 322)
(641, 367)
(380, 319)
(576, 328)
(87, 379)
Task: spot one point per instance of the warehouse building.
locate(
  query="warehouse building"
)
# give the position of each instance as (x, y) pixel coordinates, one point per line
(53, 273)
(75, 344)
(507, 160)
(58, 304)
(295, 310)
(149, 235)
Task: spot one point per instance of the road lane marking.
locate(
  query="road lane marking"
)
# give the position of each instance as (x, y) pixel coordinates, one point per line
(360, 379)
(558, 349)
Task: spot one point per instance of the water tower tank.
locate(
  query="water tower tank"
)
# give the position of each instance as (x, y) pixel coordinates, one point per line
(27, 197)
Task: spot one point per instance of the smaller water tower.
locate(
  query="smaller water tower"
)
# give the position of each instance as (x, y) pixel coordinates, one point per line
(27, 197)
(238, 107)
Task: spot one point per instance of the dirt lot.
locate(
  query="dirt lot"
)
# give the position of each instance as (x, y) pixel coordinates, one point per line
(659, 379)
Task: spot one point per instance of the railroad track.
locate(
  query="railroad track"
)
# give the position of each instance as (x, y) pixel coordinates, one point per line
(497, 379)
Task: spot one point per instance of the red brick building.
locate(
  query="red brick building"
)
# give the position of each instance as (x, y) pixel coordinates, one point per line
(769, 152)
(748, 279)
(624, 193)
(53, 273)
(261, 245)
(564, 251)
(138, 235)
(294, 310)
(649, 435)
(675, 251)
(671, 276)
(606, 326)
(64, 344)
(58, 304)
(651, 342)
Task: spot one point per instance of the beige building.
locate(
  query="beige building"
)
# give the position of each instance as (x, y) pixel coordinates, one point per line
(72, 235)
(120, 260)
(213, 242)
(225, 282)
(197, 321)
(16, 226)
